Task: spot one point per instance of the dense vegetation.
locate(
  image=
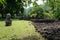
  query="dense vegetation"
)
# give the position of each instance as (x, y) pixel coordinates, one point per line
(49, 10)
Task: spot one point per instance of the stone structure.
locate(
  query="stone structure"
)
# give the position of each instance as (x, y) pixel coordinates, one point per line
(8, 21)
(50, 31)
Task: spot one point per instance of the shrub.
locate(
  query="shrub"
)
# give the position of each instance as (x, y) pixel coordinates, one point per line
(36, 12)
(33, 15)
(57, 15)
(48, 16)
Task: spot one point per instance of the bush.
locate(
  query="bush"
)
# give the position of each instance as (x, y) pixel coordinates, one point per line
(48, 16)
(57, 15)
(36, 12)
(33, 15)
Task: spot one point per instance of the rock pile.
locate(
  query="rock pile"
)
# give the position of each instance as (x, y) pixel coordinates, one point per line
(50, 31)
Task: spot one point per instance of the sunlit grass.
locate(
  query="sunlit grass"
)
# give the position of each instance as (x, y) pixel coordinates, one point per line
(19, 29)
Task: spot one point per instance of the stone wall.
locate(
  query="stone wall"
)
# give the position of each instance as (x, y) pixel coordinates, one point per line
(50, 31)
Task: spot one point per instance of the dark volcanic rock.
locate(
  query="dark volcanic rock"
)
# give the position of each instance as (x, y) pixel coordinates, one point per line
(50, 31)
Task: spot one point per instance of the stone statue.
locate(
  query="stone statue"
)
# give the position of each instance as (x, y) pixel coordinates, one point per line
(8, 20)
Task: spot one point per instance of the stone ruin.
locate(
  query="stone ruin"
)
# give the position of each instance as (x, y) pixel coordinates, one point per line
(50, 31)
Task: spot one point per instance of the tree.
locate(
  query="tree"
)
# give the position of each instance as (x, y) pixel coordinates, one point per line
(36, 11)
(54, 7)
(13, 6)
(1, 8)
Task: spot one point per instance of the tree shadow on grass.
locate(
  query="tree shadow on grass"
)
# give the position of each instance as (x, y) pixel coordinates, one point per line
(32, 37)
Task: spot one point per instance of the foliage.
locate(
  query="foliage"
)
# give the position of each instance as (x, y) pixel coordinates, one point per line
(36, 11)
(48, 15)
(13, 7)
(17, 7)
(54, 6)
(57, 15)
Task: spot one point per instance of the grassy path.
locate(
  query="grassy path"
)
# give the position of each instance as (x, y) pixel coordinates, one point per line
(20, 30)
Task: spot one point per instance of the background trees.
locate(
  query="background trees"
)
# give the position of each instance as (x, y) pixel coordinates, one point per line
(54, 6)
(36, 12)
(12, 7)
(50, 9)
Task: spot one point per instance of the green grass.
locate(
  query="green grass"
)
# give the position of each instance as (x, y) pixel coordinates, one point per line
(23, 30)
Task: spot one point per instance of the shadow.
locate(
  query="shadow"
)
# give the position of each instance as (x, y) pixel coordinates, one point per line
(32, 37)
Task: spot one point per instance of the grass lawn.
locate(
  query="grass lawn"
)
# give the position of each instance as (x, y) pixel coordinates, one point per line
(20, 30)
